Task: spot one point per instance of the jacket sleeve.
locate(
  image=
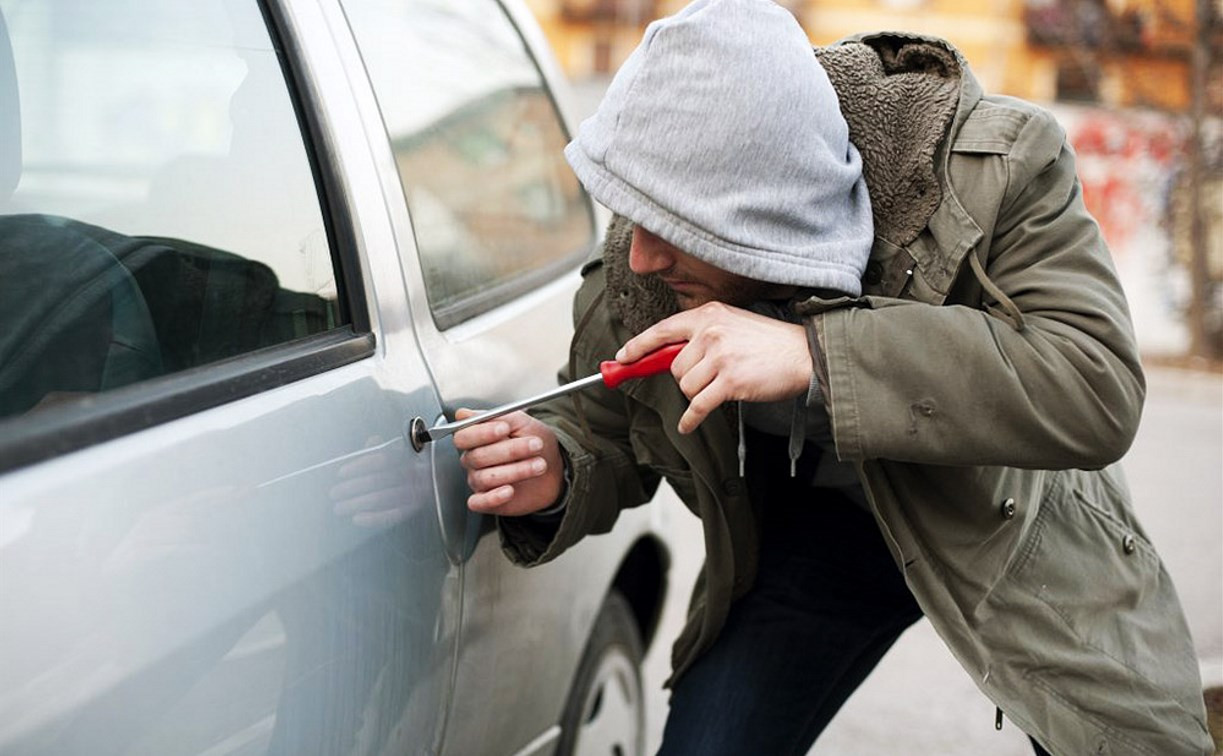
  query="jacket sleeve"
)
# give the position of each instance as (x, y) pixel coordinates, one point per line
(955, 385)
(604, 474)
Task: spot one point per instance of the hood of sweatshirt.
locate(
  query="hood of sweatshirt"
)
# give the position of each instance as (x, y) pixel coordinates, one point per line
(722, 134)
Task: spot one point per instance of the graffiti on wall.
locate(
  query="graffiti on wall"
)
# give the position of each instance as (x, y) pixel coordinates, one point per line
(1128, 164)
(1132, 166)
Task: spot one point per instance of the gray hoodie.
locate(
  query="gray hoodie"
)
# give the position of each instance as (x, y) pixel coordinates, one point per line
(722, 134)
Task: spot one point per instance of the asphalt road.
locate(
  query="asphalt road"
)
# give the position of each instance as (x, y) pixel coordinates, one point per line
(919, 700)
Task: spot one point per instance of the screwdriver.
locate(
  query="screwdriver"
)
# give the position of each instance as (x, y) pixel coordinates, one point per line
(611, 374)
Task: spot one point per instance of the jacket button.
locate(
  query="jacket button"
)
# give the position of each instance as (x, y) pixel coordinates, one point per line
(874, 273)
(1008, 509)
(1128, 544)
(733, 486)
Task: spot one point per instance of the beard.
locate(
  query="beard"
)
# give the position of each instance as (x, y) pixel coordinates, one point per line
(739, 292)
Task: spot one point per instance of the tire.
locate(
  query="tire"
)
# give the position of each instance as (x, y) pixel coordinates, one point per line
(605, 712)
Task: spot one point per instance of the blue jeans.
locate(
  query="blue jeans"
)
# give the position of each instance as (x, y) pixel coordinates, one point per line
(828, 602)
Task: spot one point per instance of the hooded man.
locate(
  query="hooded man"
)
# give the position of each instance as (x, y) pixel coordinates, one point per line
(891, 403)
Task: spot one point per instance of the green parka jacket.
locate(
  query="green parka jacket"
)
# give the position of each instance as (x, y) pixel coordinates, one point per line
(984, 384)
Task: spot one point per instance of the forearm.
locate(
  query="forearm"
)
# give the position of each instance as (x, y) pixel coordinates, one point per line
(601, 479)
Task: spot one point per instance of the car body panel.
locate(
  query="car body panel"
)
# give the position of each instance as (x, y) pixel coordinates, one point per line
(132, 589)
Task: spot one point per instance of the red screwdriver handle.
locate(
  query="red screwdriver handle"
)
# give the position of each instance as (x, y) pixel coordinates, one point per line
(658, 361)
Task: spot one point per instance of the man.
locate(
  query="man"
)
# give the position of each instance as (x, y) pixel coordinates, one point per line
(874, 420)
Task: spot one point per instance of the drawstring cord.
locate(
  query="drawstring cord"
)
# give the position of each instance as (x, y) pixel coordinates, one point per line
(742, 443)
(798, 428)
(798, 432)
(1010, 310)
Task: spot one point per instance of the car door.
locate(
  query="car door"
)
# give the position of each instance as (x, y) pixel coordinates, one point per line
(492, 223)
(214, 537)
(492, 226)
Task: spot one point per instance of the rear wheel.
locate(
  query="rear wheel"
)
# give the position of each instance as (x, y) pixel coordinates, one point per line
(605, 713)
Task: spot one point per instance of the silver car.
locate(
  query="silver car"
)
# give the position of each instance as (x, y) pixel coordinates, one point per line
(244, 244)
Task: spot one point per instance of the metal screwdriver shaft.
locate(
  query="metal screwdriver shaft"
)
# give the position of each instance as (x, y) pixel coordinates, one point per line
(445, 429)
(611, 374)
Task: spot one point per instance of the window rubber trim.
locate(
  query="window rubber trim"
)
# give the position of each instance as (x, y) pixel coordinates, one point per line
(87, 421)
(341, 235)
(451, 314)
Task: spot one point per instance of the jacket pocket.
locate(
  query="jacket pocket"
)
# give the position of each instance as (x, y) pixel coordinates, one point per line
(1088, 567)
(1096, 628)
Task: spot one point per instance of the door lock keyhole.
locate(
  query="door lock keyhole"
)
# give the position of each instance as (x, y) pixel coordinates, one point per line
(418, 433)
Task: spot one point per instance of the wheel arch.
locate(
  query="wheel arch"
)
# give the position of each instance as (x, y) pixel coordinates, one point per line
(642, 578)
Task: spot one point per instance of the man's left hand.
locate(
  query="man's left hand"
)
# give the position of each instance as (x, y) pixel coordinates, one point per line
(732, 354)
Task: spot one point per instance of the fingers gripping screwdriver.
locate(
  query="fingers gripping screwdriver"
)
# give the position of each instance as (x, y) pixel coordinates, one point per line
(611, 374)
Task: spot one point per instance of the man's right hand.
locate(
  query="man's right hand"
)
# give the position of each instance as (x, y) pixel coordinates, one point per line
(513, 464)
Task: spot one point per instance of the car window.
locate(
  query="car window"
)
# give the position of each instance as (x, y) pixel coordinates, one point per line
(478, 145)
(158, 210)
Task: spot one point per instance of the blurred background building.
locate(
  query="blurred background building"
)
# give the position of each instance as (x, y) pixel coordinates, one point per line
(1138, 84)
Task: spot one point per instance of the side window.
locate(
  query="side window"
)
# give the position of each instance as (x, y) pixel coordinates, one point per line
(158, 210)
(478, 144)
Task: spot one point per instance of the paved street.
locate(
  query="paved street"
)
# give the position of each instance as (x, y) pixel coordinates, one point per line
(920, 701)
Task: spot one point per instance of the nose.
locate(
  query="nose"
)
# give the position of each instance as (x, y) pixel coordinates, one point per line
(649, 253)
